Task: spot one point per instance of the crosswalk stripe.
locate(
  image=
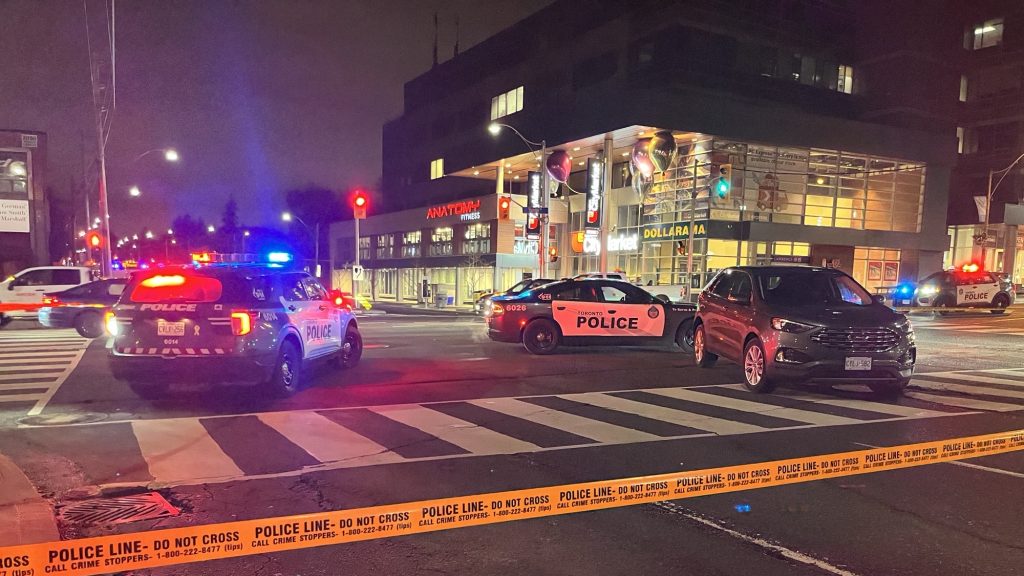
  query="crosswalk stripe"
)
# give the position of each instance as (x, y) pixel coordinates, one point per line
(12, 343)
(28, 371)
(40, 351)
(326, 440)
(980, 379)
(178, 450)
(963, 402)
(25, 385)
(975, 390)
(525, 430)
(20, 397)
(667, 414)
(406, 441)
(660, 428)
(783, 398)
(27, 378)
(465, 435)
(804, 416)
(5, 364)
(599, 431)
(894, 409)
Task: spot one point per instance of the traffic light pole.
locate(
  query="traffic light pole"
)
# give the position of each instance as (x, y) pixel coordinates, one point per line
(689, 234)
(542, 241)
(355, 283)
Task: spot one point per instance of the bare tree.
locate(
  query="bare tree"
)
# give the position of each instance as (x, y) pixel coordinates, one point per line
(475, 271)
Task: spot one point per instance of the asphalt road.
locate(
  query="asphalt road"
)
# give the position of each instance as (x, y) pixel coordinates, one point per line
(435, 409)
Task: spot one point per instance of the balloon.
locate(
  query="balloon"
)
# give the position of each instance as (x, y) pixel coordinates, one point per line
(662, 150)
(559, 165)
(641, 158)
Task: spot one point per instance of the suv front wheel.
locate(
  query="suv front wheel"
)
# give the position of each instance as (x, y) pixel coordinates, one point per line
(703, 358)
(754, 364)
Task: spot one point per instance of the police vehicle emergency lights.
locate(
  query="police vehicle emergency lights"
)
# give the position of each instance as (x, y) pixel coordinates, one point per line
(588, 311)
(967, 287)
(228, 318)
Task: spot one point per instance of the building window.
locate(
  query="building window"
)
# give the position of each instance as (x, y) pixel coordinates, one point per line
(507, 103)
(411, 244)
(844, 82)
(477, 238)
(14, 173)
(386, 246)
(436, 168)
(364, 248)
(963, 88)
(441, 241)
(987, 34)
(959, 139)
(876, 268)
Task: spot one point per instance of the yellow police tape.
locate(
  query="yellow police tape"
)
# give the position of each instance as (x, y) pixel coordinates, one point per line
(200, 543)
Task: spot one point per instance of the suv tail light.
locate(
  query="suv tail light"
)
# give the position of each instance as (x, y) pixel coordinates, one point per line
(241, 323)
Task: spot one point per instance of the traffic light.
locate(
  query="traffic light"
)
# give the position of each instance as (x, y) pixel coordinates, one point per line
(504, 205)
(94, 239)
(360, 202)
(553, 254)
(722, 179)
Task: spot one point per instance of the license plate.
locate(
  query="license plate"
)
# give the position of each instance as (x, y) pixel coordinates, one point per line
(858, 363)
(170, 328)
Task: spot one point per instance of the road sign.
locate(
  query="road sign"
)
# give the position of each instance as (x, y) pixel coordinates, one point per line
(357, 272)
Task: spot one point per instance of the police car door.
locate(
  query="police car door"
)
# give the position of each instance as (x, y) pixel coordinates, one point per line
(297, 308)
(976, 289)
(631, 311)
(326, 314)
(577, 310)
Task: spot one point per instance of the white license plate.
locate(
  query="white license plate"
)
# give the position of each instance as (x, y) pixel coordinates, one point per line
(164, 328)
(858, 363)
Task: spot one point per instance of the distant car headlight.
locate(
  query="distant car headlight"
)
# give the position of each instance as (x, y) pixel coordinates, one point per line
(783, 325)
(928, 290)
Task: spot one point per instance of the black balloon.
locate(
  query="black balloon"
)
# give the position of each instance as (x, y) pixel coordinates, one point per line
(641, 159)
(662, 150)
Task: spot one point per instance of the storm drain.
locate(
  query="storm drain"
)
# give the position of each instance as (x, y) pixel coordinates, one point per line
(118, 510)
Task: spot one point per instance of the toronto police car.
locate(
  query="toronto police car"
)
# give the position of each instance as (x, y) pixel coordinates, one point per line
(968, 287)
(588, 312)
(227, 322)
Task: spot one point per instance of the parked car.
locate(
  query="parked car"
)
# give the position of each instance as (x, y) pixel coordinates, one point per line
(82, 307)
(21, 295)
(968, 287)
(798, 323)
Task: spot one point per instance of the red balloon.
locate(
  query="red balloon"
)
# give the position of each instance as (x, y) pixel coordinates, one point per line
(641, 157)
(559, 165)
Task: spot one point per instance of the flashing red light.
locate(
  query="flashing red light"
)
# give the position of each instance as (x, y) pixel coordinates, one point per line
(94, 239)
(970, 268)
(359, 200)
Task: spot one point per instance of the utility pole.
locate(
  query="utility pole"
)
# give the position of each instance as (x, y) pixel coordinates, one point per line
(689, 235)
(542, 242)
(608, 152)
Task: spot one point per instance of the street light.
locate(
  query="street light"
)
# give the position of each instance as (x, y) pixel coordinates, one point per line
(170, 232)
(988, 203)
(171, 155)
(315, 231)
(211, 229)
(149, 235)
(134, 192)
(245, 234)
(542, 265)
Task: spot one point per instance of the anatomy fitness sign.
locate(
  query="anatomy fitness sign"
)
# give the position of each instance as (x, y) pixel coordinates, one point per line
(466, 210)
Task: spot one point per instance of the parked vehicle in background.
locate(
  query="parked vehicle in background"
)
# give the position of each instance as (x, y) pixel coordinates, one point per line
(82, 307)
(21, 295)
(793, 324)
(608, 275)
(968, 287)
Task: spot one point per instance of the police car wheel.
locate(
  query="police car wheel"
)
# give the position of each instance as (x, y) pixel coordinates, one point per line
(89, 325)
(704, 358)
(1001, 301)
(287, 374)
(351, 348)
(684, 336)
(541, 337)
(754, 368)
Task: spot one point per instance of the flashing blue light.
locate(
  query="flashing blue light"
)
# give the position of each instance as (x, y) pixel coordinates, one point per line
(279, 257)
(144, 266)
(742, 508)
(116, 265)
(905, 289)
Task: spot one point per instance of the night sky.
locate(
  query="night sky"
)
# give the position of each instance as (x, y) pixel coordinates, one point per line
(257, 97)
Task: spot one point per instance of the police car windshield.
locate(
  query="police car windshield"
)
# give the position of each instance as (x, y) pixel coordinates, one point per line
(811, 287)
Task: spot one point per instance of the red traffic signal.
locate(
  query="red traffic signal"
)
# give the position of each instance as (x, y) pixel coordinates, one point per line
(94, 239)
(360, 201)
(504, 204)
(553, 254)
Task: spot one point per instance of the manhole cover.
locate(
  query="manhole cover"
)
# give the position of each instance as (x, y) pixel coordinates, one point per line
(118, 510)
(62, 419)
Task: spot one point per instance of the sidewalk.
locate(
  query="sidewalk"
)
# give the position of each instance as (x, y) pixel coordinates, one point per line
(27, 517)
(422, 309)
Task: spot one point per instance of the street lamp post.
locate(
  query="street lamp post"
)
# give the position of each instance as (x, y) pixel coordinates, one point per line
(495, 128)
(288, 216)
(988, 203)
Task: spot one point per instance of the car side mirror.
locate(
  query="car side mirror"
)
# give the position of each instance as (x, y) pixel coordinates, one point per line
(878, 298)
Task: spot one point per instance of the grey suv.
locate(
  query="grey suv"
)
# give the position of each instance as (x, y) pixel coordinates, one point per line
(798, 323)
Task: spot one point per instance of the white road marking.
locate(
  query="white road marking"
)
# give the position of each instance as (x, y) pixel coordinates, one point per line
(882, 407)
(578, 425)
(756, 407)
(933, 385)
(54, 386)
(326, 440)
(963, 402)
(981, 379)
(689, 419)
(37, 375)
(181, 450)
(761, 542)
(466, 435)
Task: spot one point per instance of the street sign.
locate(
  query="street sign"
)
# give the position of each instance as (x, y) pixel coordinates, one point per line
(357, 272)
(359, 212)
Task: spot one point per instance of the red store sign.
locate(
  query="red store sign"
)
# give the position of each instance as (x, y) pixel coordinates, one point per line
(454, 209)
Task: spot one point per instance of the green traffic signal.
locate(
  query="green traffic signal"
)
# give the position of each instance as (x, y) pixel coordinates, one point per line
(722, 188)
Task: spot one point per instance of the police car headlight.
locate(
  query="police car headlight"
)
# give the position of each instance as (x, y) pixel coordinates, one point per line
(928, 290)
(110, 321)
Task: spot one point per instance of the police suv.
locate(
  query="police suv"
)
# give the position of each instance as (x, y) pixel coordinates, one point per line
(227, 322)
(588, 312)
(968, 287)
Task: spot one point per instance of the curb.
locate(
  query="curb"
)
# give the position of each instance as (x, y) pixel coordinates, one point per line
(32, 516)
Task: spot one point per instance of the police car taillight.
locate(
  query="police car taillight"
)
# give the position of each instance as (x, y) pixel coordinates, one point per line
(241, 323)
(496, 309)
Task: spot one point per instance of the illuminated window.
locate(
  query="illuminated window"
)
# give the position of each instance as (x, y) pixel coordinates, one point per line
(844, 82)
(960, 139)
(436, 168)
(411, 244)
(986, 34)
(963, 88)
(507, 103)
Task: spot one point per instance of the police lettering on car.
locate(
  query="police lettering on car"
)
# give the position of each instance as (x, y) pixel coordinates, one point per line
(966, 287)
(588, 311)
(228, 322)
